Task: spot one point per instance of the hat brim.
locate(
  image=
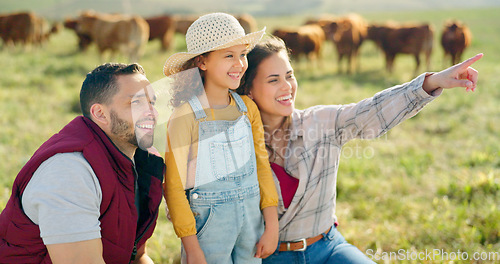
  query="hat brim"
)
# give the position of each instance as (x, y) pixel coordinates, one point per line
(175, 62)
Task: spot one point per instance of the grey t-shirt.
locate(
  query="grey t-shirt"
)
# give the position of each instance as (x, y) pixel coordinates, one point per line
(63, 198)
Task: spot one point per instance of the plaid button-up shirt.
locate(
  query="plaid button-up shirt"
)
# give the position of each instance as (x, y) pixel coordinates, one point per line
(317, 135)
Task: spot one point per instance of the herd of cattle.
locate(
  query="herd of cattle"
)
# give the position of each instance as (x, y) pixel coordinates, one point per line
(129, 34)
(349, 32)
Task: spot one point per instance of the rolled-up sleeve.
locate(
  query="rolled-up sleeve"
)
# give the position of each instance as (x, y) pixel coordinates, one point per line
(371, 117)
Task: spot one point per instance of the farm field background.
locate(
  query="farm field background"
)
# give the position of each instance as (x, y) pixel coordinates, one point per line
(431, 183)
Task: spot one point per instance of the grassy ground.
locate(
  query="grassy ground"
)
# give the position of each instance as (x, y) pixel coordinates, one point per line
(432, 183)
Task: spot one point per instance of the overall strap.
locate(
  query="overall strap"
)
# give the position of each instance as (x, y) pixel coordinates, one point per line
(239, 102)
(195, 104)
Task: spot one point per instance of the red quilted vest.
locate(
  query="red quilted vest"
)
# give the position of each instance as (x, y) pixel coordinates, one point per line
(121, 230)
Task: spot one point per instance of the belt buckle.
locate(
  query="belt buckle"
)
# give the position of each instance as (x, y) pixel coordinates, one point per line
(304, 242)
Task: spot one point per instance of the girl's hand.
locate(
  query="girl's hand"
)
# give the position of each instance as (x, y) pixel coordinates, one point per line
(194, 253)
(458, 75)
(268, 243)
(269, 240)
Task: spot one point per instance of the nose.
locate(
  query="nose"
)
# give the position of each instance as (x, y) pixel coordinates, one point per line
(152, 111)
(155, 113)
(287, 86)
(240, 61)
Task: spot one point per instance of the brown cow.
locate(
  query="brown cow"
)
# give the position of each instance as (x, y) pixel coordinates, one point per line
(324, 22)
(128, 34)
(407, 39)
(43, 30)
(455, 38)
(347, 33)
(307, 40)
(162, 28)
(84, 40)
(18, 28)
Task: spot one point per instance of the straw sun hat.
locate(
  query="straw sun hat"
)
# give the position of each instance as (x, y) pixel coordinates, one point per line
(211, 32)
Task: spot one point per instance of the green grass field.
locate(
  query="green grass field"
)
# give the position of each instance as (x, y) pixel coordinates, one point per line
(432, 183)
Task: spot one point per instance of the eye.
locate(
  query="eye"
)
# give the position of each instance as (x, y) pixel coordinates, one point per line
(135, 102)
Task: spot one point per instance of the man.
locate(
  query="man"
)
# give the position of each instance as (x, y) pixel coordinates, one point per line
(91, 193)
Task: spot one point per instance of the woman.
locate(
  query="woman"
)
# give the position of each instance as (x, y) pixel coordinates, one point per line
(305, 145)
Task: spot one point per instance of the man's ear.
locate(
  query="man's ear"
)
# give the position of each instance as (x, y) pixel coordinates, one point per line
(99, 114)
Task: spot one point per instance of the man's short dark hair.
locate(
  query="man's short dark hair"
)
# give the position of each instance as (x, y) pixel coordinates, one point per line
(100, 85)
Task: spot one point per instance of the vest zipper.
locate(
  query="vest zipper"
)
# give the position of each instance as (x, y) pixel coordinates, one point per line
(136, 202)
(134, 252)
(136, 189)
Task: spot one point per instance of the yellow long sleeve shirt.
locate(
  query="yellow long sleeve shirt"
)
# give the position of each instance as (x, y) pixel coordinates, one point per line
(182, 138)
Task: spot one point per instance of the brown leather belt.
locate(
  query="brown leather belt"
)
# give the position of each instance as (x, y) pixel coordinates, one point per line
(301, 244)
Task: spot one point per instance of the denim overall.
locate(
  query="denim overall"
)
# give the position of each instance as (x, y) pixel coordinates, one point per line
(226, 197)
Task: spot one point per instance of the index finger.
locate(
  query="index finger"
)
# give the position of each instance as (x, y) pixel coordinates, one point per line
(465, 64)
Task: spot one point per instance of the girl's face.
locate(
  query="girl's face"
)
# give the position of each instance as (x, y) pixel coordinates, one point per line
(274, 86)
(224, 68)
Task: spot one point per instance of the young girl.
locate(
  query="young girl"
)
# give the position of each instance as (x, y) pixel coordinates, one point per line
(305, 146)
(217, 157)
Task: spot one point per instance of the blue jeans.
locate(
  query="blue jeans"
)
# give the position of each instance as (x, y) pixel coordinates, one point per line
(332, 248)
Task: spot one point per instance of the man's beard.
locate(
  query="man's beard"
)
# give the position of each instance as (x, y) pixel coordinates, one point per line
(122, 129)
